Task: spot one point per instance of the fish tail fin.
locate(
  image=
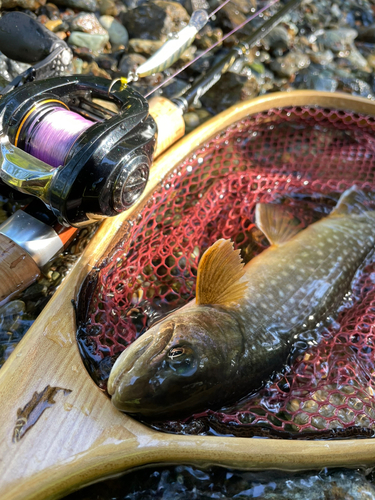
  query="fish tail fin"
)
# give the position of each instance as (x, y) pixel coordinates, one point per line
(353, 201)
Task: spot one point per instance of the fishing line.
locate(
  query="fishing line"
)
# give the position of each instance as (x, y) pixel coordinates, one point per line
(237, 28)
(49, 131)
(218, 8)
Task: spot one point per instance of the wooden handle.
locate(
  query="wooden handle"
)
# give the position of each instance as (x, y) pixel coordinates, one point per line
(171, 125)
(17, 269)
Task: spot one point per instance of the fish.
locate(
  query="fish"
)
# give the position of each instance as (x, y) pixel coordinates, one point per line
(245, 319)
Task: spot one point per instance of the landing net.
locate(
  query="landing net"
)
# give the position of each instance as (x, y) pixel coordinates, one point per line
(301, 157)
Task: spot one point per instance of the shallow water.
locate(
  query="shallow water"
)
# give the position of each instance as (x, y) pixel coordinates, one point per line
(186, 482)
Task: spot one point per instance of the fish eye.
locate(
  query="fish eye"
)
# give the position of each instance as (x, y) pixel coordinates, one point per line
(182, 360)
(176, 352)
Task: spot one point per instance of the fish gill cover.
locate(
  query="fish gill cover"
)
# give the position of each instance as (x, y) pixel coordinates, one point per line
(301, 157)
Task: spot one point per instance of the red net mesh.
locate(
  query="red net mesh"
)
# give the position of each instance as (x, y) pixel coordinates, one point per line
(303, 157)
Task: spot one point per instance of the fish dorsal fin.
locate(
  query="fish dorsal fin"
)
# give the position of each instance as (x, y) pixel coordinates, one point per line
(220, 278)
(351, 202)
(278, 225)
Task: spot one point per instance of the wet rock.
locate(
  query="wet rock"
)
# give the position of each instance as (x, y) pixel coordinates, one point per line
(316, 77)
(202, 65)
(291, 63)
(230, 17)
(77, 66)
(43, 19)
(95, 43)
(50, 10)
(93, 69)
(277, 41)
(359, 16)
(230, 89)
(9, 69)
(176, 12)
(54, 25)
(357, 60)
(322, 58)
(203, 114)
(130, 62)
(116, 31)
(133, 4)
(87, 23)
(175, 88)
(23, 4)
(338, 40)
(356, 86)
(106, 62)
(367, 34)
(191, 5)
(371, 60)
(191, 120)
(108, 8)
(10, 313)
(155, 20)
(144, 47)
(86, 5)
(207, 37)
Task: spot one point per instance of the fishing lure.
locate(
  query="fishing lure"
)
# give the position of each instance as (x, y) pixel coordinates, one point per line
(173, 48)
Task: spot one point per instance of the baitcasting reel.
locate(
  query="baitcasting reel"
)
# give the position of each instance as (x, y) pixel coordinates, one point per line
(86, 159)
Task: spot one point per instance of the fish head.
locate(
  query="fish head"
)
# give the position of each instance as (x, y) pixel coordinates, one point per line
(176, 367)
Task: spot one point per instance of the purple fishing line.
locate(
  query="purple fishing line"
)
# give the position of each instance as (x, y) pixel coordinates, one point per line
(51, 137)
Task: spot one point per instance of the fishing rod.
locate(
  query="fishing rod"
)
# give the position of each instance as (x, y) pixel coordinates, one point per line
(206, 81)
(83, 151)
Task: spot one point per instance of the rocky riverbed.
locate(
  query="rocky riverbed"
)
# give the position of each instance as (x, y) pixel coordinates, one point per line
(322, 45)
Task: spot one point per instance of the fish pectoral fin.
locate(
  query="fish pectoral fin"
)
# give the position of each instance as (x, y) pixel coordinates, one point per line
(277, 224)
(352, 201)
(221, 276)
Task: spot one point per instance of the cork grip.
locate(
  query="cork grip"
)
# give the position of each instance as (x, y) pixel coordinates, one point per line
(170, 122)
(17, 269)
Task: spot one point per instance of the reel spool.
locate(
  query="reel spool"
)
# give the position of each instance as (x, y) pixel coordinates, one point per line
(86, 162)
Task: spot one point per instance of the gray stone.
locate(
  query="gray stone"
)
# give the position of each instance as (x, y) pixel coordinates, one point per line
(116, 31)
(338, 40)
(155, 20)
(108, 8)
(191, 120)
(367, 34)
(87, 23)
(277, 40)
(130, 62)
(95, 43)
(86, 5)
(23, 4)
(230, 89)
(289, 65)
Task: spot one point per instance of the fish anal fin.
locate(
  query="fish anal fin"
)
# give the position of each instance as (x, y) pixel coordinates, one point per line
(221, 276)
(352, 202)
(278, 225)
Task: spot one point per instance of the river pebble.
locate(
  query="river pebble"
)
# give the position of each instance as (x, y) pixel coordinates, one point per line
(118, 36)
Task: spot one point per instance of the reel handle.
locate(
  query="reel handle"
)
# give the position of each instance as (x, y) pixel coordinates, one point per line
(25, 39)
(17, 269)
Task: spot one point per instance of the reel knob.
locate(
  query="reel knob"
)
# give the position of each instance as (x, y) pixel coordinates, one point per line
(130, 182)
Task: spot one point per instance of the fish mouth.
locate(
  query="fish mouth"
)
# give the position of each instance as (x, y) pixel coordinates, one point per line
(129, 382)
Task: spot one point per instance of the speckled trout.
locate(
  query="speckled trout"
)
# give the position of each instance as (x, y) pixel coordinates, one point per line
(244, 320)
